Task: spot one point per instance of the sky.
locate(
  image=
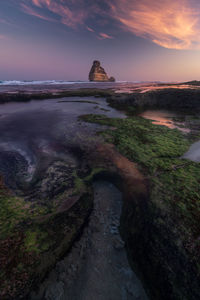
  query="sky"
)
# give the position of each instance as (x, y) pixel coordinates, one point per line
(135, 40)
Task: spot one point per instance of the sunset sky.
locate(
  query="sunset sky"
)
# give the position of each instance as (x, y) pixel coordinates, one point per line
(134, 39)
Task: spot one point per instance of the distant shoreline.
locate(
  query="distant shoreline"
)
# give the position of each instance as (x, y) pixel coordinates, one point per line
(126, 87)
(116, 92)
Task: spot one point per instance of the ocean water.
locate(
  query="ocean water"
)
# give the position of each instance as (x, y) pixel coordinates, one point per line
(52, 82)
(37, 82)
(59, 85)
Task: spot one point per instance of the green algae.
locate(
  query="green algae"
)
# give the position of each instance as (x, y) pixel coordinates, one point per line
(79, 184)
(94, 172)
(35, 234)
(161, 229)
(36, 240)
(12, 211)
(15, 213)
(158, 151)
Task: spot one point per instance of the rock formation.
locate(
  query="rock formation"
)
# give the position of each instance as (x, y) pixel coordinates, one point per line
(97, 73)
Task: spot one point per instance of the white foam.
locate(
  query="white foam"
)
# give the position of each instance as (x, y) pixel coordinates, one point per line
(60, 82)
(39, 82)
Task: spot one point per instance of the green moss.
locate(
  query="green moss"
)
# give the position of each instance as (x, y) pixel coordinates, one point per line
(94, 172)
(36, 240)
(35, 234)
(79, 185)
(158, 151)
(31, 241)
(15, 213)
(12, 212)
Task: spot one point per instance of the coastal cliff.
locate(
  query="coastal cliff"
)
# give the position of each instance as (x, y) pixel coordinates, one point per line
(97, 73)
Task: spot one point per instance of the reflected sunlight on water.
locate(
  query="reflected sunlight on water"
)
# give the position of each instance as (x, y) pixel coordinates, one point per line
(164, 118)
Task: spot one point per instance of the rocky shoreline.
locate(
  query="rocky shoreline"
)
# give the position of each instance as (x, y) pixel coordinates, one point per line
(172, 99)
(160, 227)
(158, 233)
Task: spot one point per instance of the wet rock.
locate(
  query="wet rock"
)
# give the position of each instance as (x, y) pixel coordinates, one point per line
(118, 244)
(133, 290)
(55, 292)
(113, 229)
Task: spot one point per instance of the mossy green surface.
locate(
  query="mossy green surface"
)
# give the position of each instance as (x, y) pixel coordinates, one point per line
(33, 236)
(158, 151)
(12, 211)
(15, 213)
(37, 240)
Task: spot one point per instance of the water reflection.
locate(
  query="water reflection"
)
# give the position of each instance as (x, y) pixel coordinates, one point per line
(164, 118)
(39, 132)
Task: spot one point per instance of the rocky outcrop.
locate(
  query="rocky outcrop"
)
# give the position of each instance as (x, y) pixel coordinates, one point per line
(174, 99)
(161, 233)
(97, 73)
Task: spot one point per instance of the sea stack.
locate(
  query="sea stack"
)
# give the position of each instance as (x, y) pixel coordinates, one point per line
(97, 73)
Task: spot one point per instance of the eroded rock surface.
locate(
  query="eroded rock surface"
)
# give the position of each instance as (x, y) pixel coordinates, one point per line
(97, 266)
(97, 73)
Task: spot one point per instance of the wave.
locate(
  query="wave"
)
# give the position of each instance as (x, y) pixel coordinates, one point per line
(38, 82)
(63, 82)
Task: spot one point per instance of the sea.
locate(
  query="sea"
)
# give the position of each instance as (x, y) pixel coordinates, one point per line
(49, 82)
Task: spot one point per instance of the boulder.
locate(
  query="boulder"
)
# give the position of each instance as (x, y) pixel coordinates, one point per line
(97, 73)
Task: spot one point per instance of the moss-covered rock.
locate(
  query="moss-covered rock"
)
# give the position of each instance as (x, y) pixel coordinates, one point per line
(161, 226)
(36, 232)
(168, 98)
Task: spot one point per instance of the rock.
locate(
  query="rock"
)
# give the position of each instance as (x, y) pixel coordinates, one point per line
(118, 244)
(55, 292)
(133, 290)
(97, 73)
(112, 79)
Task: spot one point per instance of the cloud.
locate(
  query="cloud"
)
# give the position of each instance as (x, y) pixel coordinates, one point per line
(34, 13)
(168, 23)
(173, 24)
(70, 13)
(105, 36)
(3, 21)
(90, 29)
(37, 3)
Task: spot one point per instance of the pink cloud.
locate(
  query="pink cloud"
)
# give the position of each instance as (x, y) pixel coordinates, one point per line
(105, 36)
(37, 3)
(90, 29)
(168, 23)
(68, 17)
(72, 13)
(34, 13)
